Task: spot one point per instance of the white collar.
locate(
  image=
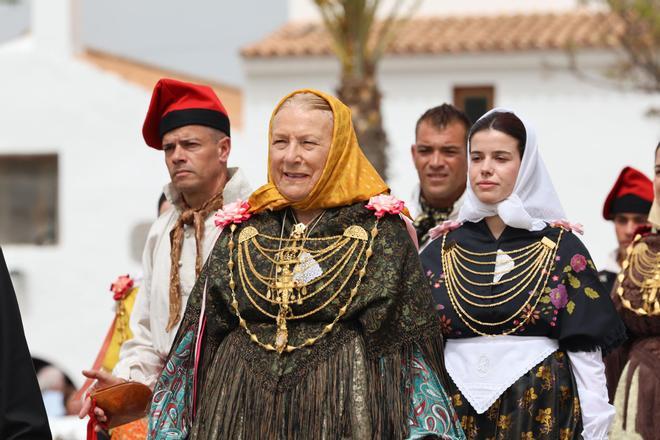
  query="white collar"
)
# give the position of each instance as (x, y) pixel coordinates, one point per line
(416, 209)
(236, 187)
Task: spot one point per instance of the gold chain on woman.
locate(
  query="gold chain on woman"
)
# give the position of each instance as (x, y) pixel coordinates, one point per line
(288, 287)
(536, 260)
(642, 268)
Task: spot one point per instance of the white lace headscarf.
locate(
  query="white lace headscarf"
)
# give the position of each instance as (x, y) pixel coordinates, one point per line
(533, 202)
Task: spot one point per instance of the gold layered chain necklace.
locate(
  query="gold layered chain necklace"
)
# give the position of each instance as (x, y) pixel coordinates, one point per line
(296, 276)
(642, 268)
(535, 261)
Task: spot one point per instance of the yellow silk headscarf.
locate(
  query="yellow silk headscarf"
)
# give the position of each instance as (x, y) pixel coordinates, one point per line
(348, 176)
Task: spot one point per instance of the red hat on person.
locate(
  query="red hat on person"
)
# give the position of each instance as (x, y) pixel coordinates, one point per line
(175, 104)
(632, 193)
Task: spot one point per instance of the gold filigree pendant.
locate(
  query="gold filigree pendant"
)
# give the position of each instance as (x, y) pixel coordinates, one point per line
(282, 335)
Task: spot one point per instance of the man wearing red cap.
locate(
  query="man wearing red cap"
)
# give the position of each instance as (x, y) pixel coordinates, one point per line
(627, 205)
(190, 124)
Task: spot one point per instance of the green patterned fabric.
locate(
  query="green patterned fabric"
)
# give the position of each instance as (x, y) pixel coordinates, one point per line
(351, 383)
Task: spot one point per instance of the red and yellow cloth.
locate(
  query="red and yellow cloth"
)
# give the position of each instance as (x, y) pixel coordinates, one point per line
(124, 293)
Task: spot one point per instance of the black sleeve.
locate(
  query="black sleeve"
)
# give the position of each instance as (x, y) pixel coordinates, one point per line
(22, 413)
(588, 320)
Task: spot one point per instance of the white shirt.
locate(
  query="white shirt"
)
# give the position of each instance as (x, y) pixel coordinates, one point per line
(415, 209)
(611, 264)
(142, 358)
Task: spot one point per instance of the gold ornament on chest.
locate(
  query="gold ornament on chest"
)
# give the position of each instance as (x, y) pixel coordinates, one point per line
(464, 275)
(305, 275)
(641, 267)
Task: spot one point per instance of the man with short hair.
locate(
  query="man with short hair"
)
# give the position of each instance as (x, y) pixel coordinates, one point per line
(190, 125)
(440, 157)
(627, 206)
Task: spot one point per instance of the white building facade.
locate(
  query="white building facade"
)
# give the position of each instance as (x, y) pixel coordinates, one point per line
(72, 118)
(587, 131)
(107, 186)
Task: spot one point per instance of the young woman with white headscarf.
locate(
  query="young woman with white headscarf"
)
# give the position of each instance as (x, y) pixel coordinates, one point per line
(525, 317)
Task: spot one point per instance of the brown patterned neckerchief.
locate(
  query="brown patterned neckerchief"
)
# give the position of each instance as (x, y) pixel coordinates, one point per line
(196, 218)
(428, 218)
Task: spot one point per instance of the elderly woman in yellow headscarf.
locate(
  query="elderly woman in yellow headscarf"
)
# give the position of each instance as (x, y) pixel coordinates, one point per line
(312, 318)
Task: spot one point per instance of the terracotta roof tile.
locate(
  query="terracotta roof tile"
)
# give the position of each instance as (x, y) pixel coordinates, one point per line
(438, 35)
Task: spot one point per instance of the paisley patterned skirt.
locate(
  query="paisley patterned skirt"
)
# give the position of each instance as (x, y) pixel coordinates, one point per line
(233, 406)
(541, 404)
(431, 413)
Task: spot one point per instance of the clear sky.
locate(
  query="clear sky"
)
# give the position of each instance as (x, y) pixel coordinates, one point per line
(200, 37)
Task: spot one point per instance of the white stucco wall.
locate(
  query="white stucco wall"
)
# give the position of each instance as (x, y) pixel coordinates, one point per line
(109, 181)
(306, 10)
(586, 133)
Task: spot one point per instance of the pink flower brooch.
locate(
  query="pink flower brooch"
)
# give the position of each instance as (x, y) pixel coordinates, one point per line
(575, 227)
(120, 288)
(443, 228)
(385, 204)
(236, 212)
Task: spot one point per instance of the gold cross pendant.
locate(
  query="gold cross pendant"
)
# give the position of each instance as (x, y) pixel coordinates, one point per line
(285, 284)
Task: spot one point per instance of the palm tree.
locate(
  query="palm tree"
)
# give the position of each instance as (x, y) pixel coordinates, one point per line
(359, 41)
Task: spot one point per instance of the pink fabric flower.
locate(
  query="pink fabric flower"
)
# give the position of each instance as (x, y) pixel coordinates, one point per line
(236, 212)
(443, 228)
(575, 227)
(121, 287)
(578, 263)
(559, 296)
(385, 204)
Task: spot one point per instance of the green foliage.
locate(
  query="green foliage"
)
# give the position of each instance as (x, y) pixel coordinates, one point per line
(637, 26)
